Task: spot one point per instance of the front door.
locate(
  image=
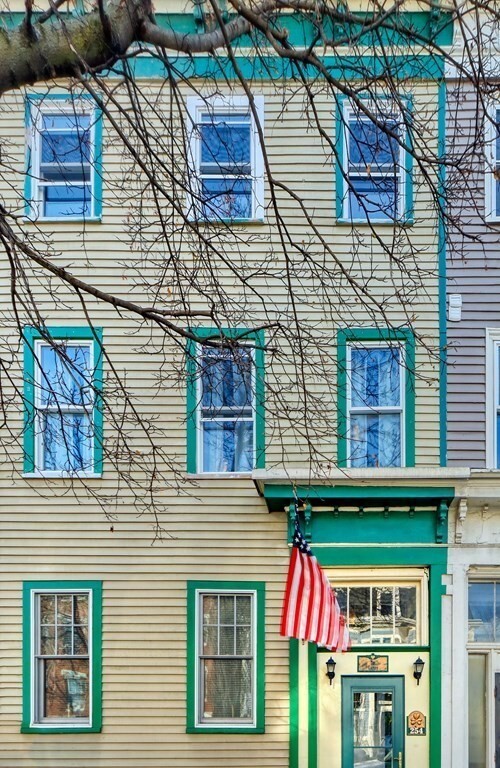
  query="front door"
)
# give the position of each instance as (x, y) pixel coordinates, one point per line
(372, 722)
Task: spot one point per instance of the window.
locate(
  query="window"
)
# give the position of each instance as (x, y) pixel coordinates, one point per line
(63, 382)
(376, 398)
(225, 405)
(64, 173)
(62, 656)
(484, 671)
(385, 609)
(227, 175)
(492, 164)
(226, 665)
(373, 170)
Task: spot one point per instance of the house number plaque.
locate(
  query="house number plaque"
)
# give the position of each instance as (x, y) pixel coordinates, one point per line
(415, 724)
(373, 663)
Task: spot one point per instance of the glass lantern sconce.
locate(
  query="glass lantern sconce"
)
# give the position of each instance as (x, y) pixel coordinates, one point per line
(418, 668)
(330, 669)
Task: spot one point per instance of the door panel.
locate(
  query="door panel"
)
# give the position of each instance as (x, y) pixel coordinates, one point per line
(372, 722)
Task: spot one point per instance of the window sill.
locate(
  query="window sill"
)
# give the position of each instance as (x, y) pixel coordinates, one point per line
(64, 219)
(44, 728)
(228, 222)
(403, 222)
(62, 475)
(217, 475)
(225, 729)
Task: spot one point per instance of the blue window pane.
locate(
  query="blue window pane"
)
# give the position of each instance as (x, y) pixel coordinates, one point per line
(371, 146)
(481, 612)
(498, 440)
(497, 197)
(376, 440)
(66, 200)
(227, 198)
(375, 377)
(65, 378)
(373, 198)
(65, 148)
(67, 442)
(68, 122)
(228, 446)
(225, 141)
(497, 135)
(226, 379)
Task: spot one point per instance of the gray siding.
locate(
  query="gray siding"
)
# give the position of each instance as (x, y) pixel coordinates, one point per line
(473, 270)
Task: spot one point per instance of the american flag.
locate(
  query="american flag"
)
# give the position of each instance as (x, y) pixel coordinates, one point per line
(310, 608)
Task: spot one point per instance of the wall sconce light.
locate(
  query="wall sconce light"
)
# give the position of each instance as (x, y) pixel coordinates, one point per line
(418, 668)
(330, 669)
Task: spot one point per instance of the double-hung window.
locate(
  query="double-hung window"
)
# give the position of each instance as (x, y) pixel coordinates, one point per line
(62, 656)
(376, 397)
(63, 430)
(493, 397)
(225, 404)
(226, 173)
(492, 159)
(64, 159)
(227, 662)
(372, 176)
(376, 405)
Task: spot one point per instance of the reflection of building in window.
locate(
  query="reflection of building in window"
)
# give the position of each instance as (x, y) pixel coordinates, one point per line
(372, 728)
(380, 614)
(376, 405)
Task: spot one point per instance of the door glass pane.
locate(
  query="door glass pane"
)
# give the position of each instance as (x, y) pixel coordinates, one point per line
(477, 711)
(372, 724)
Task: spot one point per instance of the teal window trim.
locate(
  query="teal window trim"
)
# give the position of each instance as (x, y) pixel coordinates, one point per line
(341, 170)
(61, 333)
(30, 590)
(194, 590)
(35, 101)
(348, 336)
(192, 399)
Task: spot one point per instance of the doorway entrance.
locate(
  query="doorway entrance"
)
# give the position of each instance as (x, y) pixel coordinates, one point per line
(372, 722)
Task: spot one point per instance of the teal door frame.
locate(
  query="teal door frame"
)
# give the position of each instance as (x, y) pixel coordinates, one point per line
(360, 683)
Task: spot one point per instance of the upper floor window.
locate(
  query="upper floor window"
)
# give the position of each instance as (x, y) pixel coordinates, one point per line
(227, 177)
(376, 397)
(484, 611)
(64, 159)
(63, 426)
(225, 419)
(493, 397)
(62, 656)
(492, 159)
(226, 664)
(376, 405)
(372, 177)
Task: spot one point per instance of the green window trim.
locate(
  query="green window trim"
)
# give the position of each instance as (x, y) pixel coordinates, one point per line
(33, 101)
(30, 590)
(194, 588)
(192, 430)
(348, 336)
(61, 333)
(341, 172)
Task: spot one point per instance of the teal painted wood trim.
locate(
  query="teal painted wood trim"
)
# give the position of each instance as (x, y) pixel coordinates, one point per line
(293, 678)
(358, 556)
(312, 692)
(350, 684)
(347, 336)
(235, 334)
(29, 587)
(97, 165)
(443, 372)
(193, 588)
(60, 333)
(436, 592)
(341, 181)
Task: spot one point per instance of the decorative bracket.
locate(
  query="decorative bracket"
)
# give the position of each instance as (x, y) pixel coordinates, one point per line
(307, 521)
(441, 519)
(459, 525)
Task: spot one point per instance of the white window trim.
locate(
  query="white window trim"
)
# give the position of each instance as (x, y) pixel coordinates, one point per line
(384, 409)
(199, 428)
(48, 106)
(349, 112)
(196, 106)
(218, 723)
(38, 441)
(35, 684)
(390, 577)
(490, 162)
(492, 394)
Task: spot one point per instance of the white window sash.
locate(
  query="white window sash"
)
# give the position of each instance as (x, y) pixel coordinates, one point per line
(492, 395)
(490, 162)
